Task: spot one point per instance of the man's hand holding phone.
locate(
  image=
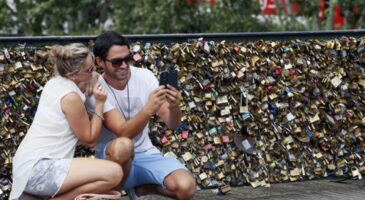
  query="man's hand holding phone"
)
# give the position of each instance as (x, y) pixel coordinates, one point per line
(169, 79)
(173, 97)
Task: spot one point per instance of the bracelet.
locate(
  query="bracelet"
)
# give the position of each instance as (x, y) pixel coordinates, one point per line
(99, 115)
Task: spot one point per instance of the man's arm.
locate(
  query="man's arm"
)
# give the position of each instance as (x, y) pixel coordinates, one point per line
(170, 111)
(116, 123)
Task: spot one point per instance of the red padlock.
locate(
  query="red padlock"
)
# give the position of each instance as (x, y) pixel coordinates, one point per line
(278, 71)
(293, 72)
(225, 139)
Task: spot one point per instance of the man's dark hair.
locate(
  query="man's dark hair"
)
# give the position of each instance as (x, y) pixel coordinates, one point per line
(106, 40)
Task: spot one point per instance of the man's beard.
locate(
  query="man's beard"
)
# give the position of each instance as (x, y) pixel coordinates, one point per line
(118, 77)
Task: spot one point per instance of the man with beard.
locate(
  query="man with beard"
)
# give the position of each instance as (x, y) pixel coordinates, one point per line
(136, 96)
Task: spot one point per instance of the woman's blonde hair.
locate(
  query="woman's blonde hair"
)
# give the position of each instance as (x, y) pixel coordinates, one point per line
(69, 58)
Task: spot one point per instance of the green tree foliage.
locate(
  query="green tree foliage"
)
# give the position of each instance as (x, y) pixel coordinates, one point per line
(237, 16)
(55, 17)
(58, 17)
(175, 16)
(66, 17)
(5, 19)
(352, 11)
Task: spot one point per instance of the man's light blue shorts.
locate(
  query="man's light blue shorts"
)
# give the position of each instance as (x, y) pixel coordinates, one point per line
(148, 168)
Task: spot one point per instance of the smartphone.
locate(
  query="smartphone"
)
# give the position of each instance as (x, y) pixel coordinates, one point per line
(173, 78)
(164, 78)
(169, 77)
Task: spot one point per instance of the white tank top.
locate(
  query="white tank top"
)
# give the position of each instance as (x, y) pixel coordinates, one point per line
(49, 136)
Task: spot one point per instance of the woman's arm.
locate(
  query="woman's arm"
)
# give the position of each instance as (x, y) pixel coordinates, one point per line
(86, 130)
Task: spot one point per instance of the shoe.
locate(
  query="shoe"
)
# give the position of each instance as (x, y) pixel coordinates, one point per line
(133, 196)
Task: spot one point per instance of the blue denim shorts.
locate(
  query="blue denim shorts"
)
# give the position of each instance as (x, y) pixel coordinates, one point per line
(148, 168)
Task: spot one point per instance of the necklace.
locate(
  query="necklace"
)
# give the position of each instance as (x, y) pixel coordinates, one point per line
(120, 107)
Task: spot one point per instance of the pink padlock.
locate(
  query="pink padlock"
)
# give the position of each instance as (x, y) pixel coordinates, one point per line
(185, 134)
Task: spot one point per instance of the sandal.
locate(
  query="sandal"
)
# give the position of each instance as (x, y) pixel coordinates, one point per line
(111, 195)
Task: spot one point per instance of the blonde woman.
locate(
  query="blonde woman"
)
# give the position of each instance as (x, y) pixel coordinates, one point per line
(43, 165)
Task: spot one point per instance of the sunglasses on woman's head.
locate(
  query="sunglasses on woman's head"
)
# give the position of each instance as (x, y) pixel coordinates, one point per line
(117, 62)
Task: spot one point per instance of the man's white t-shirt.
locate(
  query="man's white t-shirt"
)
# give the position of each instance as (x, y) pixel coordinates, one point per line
(140, 85)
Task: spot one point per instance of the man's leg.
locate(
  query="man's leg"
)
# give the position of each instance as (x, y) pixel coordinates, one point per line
(155, 174)
(120, 150)
(179, 185)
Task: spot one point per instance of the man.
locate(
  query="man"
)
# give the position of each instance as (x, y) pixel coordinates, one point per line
(136, 96)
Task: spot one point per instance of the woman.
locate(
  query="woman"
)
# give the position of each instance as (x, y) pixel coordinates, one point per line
(43, 165)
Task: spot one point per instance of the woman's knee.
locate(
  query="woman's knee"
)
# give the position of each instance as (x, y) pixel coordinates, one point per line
(120, 150)
(114, 173)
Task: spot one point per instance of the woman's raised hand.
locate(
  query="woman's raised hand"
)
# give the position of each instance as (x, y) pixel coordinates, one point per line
(99, 93)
